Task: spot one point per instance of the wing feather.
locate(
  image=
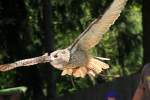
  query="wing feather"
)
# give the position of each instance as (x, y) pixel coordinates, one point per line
(93, 34)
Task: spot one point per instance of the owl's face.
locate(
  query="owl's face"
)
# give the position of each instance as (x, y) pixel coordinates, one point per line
(59, 58)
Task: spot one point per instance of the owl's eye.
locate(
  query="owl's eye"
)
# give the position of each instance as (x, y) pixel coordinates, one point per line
(55, 56)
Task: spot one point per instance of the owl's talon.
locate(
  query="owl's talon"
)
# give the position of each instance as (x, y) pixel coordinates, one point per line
(67, 71)
(64, 72)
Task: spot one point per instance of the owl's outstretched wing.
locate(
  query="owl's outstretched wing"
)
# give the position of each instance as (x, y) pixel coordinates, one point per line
(26, 62)
(93, 34)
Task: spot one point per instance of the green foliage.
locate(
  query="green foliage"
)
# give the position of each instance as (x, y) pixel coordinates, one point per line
(7, 79)
(14, 90)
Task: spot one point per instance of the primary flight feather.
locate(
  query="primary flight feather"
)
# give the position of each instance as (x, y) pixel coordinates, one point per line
(75, 60)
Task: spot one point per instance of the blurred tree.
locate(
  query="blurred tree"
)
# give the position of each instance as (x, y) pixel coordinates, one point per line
(146, 31)
(48, 44)
(16, 38)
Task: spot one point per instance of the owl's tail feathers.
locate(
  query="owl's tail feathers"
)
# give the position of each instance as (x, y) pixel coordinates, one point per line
(96, 67)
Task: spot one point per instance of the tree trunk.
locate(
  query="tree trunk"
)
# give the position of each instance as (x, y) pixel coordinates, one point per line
(48, 44)
(146, 31)
(15, 31)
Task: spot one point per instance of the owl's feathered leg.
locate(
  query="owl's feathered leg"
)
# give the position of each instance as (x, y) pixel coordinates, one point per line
(76, 72)
(67, 71)
(80, 72)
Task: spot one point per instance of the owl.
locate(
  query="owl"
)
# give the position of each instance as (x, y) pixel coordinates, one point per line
(76, 59)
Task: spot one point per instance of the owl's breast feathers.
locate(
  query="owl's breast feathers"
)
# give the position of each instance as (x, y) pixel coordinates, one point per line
(77, 58)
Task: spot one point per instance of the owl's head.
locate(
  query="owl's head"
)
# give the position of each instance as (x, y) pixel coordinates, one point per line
(59, 58)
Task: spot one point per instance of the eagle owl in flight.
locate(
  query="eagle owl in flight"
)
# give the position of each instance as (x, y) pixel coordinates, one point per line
(76, 60)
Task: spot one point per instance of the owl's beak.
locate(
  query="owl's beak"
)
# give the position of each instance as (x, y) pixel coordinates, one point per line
(50, 60)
